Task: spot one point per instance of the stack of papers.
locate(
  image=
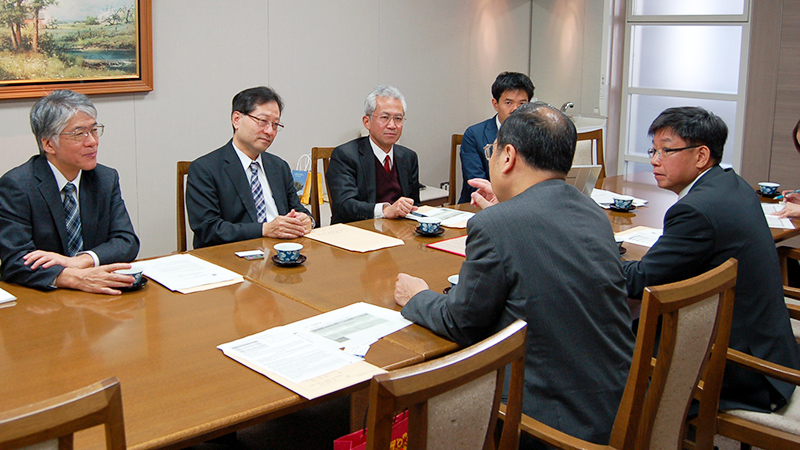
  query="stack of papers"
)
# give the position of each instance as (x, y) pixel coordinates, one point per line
(451, 218)
(644, 236)
(606, 198)
(352, 238)
(6, 299)
(770, 209)
(186, 273)
(307, 356)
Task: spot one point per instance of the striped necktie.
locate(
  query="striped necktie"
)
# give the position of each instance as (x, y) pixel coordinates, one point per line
(258, 193)
(75, 241)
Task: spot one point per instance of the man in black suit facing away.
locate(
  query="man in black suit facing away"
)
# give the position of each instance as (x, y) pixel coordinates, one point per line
(718, 216)
(373, 177)
(240, 191)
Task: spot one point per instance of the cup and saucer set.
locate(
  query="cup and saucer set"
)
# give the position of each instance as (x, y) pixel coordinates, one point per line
(429, 226)
(288, 254)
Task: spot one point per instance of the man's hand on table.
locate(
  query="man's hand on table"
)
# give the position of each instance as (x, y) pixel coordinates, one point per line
(98, 280)
(400, 208)
(290, 226)
(407, 287)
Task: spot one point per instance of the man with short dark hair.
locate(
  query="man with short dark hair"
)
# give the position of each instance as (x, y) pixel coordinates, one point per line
(718, 216)
(240, 191)
(63, 222)
(510, 90)
(545, 254)
(374, 177)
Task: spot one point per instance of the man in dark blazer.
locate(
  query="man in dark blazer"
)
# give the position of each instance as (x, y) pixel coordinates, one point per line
(222, 186)
(37, 248)
(373, 177)
(545, 254)
(718, 216)
(509, 91)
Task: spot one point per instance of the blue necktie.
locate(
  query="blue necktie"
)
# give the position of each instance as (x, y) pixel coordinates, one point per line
(75, 242)
(258, 193)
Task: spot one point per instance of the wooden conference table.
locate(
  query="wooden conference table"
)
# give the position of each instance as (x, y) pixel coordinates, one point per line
(178, 389)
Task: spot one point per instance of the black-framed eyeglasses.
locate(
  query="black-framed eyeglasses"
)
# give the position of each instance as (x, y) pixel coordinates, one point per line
(277, 126)
(385, 118)
(664, 152)
(81, 134)
(488, 149)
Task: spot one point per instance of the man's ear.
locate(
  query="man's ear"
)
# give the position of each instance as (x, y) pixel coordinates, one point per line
(508, 158)
(703, 156)
(49, 145)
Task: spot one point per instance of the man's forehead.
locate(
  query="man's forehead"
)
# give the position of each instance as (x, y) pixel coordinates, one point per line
(666, 135)
(268, 109)
(389, 104)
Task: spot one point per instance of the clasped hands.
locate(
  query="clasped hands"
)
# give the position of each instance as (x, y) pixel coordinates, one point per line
(79, 272)
(292, 225)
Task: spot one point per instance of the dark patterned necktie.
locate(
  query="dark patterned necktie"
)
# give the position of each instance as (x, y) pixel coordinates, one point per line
(258, 193)
(75, 242)
(387, 164)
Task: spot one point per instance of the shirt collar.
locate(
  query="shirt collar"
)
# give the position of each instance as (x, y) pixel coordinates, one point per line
(380, 154)
(62, 181)
(688, 188)
(245, 160)
(497, 121)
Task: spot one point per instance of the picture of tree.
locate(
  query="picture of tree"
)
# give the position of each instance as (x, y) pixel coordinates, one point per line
(67, 40)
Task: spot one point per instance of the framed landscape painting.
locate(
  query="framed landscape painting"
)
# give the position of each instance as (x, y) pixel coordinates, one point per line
(89, 46)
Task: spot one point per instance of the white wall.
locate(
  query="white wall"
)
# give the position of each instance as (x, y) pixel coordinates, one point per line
(322, 56)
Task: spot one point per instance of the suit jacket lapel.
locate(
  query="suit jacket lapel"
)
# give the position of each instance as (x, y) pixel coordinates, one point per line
(367, 161)
(490, 131)
(49, 191)
(233, 168)
(274, 179)
(402, 178)
(88, 208)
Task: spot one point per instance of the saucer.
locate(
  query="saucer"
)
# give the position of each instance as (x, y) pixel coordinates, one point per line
(447, 290)
(614, 208)
(299, 261)
(623, 250)
(438, 232)
(135, 287)
(768, 195)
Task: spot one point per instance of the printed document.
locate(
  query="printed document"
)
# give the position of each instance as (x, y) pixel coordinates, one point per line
(644, 236)
(770, 209)
(186, 273)
(451, 218)
(307, 356)
(352, 238)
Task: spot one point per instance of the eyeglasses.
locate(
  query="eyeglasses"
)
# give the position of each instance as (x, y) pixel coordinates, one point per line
(383, 119)
(81, 134)
(664, 152)
(263, 123)
(488, 149)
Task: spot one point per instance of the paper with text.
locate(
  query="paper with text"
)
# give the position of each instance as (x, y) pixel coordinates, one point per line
(770, 209)
(451, 218)
(186, 273)
(352, 238)
(644, 236)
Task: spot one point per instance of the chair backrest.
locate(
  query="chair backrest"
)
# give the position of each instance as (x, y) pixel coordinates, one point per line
(183, 171)
(324, 154)
(595, 153)
(60, 417)
(455, 141)
(453, 402)
(696, 318)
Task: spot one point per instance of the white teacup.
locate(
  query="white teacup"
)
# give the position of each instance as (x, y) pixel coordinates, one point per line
(623, 201)
(453, 279)
(288, 252)
(134, 271)
(429, 225)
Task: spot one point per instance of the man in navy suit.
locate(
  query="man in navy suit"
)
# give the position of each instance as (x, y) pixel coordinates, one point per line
(579, 339)
(63, 222)
(509, 91)
(718, 216)
(373, 177)
(240, 191)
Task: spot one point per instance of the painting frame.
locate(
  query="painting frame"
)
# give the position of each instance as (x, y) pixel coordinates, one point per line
(142, 83)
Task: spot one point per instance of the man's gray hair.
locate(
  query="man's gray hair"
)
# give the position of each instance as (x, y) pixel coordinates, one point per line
(50, 115)
(384, 91)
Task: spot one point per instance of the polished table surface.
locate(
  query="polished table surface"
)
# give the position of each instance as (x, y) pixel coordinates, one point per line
(177, 388)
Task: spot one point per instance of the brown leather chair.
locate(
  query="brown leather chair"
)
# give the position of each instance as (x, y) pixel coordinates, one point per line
(596, 153)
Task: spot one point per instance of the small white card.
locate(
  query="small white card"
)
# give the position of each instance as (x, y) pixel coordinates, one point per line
(250, 254)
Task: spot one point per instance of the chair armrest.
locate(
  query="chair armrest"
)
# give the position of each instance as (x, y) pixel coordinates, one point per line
(789, 252)
(794, 311)
(791, 292)
(764, 367)
(550, 435)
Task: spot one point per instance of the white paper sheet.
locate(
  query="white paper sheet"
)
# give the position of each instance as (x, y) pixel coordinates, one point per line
(451, 218)
(352, 238)
(644, 236)
(186, 273)
(770, 209)
(6, 299)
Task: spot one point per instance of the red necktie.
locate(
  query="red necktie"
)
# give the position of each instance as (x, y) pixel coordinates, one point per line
(387, 164)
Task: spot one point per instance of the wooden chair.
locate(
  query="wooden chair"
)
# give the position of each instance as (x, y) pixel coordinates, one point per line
(696, 319)
(791, 294)
(317, 154)
(455, 142)
(596, 154)
(453, 401)
(183, 171)
(60, 417)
